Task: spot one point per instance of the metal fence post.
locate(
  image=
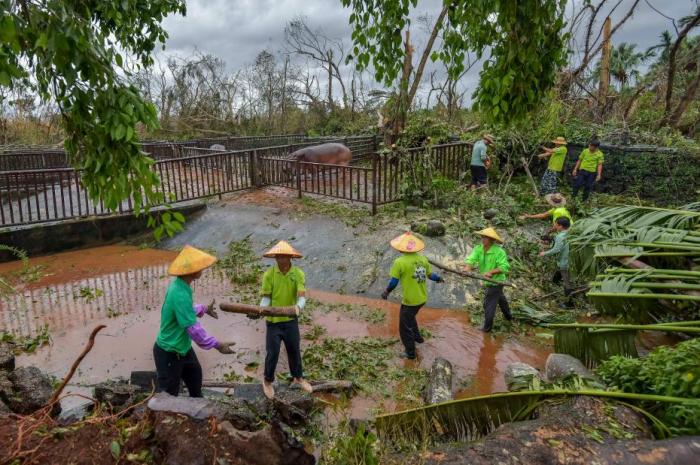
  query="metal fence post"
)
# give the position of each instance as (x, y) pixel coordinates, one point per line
(375, 187)
(298, 173)
(254, 168)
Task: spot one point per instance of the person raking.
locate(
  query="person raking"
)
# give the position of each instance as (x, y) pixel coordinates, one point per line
(174, 357)
(411, 270)
(283, 285)
(492, 262)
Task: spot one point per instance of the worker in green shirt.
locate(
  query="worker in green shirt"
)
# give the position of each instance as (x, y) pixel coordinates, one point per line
(588, 169)
(492, 262)
(560, 249)
(283, 285)
(555, 165)
(480, 161)
(411, 270)
(173, 355)
(558, 204)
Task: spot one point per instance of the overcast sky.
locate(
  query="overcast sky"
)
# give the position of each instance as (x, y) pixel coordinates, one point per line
(237, 30)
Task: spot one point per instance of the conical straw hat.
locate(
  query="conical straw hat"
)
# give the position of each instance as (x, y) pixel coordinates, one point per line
(407, 242)
(555, 200)
(190, 261)
(282, 248)
(490, 232)
(559, 141)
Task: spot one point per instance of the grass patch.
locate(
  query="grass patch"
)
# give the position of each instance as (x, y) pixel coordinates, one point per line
(27, 344)
(241, 265)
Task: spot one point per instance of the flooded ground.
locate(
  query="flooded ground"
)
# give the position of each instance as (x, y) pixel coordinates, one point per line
(123, 286)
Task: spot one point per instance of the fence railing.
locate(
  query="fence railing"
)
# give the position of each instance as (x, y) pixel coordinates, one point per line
(35, 196)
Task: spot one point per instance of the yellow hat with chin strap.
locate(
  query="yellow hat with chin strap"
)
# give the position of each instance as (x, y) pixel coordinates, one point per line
(190, 261)
(491, 233)
(282, 248)
(407, 242)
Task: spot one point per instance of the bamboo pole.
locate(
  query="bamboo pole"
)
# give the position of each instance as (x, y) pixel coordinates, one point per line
(657, 285)
(465, 274)
(645, 296)
(257, 310)
(624, 327)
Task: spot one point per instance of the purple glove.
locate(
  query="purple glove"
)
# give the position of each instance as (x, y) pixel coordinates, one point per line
(200, 336)
(200, 310)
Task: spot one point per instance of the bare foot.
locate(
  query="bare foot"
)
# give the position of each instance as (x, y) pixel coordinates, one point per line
(304, 385)
(268, 390)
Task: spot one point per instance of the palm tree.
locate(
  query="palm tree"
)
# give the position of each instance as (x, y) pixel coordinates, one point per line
(665, 44)
(625, 62)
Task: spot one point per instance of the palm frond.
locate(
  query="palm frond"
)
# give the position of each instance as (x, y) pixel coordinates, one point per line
(472, 418)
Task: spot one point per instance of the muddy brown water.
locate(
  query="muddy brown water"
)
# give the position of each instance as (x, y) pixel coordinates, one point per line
(123, 286)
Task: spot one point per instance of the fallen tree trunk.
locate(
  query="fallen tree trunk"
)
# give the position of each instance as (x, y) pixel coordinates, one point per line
(257, 310)
(439, 388)
(469, 275)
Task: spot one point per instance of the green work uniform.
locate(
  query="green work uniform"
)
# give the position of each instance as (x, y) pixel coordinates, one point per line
(558, 213)
(176, 316)
(479, 154)
(556, 160)
(590, 160)
(283, 289)
(494, 258)
(561, 247)
(412, 271)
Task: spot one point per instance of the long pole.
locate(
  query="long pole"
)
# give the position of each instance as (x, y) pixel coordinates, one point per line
(256, 310)
(465, 274)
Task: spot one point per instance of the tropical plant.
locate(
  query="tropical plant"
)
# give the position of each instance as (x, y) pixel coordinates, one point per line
(472, 418)
(594, 343)
(668, 371)
(625, 62)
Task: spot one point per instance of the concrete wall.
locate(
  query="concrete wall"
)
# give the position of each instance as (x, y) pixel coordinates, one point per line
(43, 239)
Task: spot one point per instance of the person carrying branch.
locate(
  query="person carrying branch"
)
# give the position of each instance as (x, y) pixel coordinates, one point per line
(588, 169)
(560, 249)
(283, 285)
(492, 262)
(480, 161)
(558, 210)
(411, 270)
(173, 355)
(555, 165)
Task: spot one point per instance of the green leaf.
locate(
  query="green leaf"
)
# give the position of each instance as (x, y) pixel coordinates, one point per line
(116, 449)
(179, 217)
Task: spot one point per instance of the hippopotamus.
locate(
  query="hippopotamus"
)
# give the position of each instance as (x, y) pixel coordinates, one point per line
(330, 154)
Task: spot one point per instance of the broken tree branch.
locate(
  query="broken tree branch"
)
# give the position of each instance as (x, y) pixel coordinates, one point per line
(257, 310)
(469, 275)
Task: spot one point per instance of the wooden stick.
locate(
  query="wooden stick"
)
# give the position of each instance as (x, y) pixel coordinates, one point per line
(529, 175)
(257, 310)
(91, 342)
(469, 275)
(573, 292)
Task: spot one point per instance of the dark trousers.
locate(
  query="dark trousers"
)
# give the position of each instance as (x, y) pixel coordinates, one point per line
(584, 179)
(172, 369)
(493, 296)
(479, 175)
(408, 328)
(563, 276)
(287, 332)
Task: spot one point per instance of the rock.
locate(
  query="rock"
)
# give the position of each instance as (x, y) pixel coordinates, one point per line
(490, 213)
(197, 408)
(76, 414)
(411, 209)
(116, 393)
(520, 376)
(560, 366)
(217, 147)
(6, 389)
(7, 357)
(143, 379)
(4, 409)
(32, 390)
(439, 388)
(434, 228)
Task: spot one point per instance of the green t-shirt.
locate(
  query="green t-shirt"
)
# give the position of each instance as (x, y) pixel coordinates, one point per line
(479, 154)
(556, 160)
(176, 316)
(558, 213)
(283, 289)
(412, 271)
(494, 258)
(590, 160)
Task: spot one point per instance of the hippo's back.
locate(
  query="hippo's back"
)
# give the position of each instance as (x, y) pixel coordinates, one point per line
(331, 153)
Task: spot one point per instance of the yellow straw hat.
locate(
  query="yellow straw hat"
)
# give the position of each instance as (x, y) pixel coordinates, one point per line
(407, 242)
(488, 137)
(190, 261)
(490, 232)
(559, 141)
(555, 200)
(282, 248)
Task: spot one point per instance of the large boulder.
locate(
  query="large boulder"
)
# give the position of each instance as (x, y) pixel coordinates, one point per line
(561, 366)
(116, 393)
(434, 228)
(7, 357)
(31, 390)
(520, 376)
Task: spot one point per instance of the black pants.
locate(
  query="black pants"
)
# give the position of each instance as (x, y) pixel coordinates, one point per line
(584, 179)
(479, 176)
(287, 332)
(563, 276)
(173, 369)
(493, 296)
(408, 328)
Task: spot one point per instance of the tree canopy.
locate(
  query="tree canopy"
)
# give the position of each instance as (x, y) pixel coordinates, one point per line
(78, 53)
(525, 38)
